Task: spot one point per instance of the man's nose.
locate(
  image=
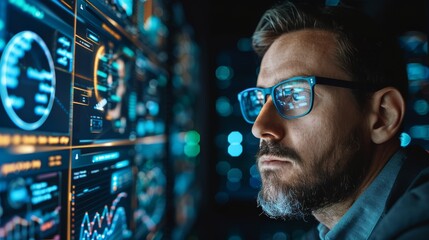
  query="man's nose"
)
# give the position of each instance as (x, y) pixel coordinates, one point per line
(269, 124)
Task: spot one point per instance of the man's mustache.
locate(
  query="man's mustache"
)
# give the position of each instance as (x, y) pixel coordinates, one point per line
(275, 149)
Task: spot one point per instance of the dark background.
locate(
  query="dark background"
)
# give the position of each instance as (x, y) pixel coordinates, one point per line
(218, 27)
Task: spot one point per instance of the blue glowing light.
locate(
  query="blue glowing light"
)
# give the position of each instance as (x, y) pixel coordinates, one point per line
(255, 182)
(132, 112)
(280, 236)
(152, 107)
(332, 2)
(417, 71)
(223, 106)
(234, 237)
(192, 137)
(244, 44)
(254, 171)
(233, 186)
(224, 73)
(191, 150)
(235, 137)
(420, 132)
(105, 157)
(234, 175)
(405, 139)
(421, 107)
(235, 150)
(14, 78)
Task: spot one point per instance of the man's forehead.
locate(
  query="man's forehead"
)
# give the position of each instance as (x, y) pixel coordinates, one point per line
(300, 53)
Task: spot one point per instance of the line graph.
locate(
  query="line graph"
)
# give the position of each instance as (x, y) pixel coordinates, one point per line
(110, 224)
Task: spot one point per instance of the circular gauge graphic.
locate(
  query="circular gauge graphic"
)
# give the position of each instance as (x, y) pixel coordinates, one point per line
(109, 82)
(150, 190)
(111, 74)
(27, 86)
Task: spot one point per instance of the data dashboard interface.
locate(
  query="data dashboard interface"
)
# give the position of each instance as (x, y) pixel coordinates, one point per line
(82, 121)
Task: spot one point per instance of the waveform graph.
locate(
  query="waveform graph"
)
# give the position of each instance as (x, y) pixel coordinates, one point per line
(101, 194)
(110, 224)
(27, 74)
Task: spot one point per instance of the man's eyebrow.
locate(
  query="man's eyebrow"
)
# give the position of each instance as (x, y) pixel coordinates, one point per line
(276, 81)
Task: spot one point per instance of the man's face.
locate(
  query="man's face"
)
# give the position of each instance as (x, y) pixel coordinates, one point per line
(316, 160)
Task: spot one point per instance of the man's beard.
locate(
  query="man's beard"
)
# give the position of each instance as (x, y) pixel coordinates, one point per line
(319, 185)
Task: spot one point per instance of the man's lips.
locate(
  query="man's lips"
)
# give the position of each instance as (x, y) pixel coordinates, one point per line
(267, 160)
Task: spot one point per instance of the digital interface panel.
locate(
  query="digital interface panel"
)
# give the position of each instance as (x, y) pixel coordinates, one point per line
(101, 193)
(32, 205)
(36, 49)
(82, 123)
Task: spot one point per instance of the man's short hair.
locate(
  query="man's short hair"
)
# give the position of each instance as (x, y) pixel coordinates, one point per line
(366, 52)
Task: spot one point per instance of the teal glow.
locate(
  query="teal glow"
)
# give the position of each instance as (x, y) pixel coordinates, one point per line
(235, 137)
(280, 236)
(141, 131)
(122, 164)
(234, 175)
(115, 65)
(420, 132)
(244, 44)
(150, 126)
(118, 123)
(101, 74)
(223, 107)
(162, 81)
(1, 24)
(235, 150)
(127, 51)
(115, 98)
(234, 237)
(132, 113)
(105, 157)
(93, 37)
(152, 107)
(417, 71)
(101, 88)
(233, 186)
(192, 137)
(332, 2)
(421, 107)
(255, 182)
(405, 139)
(254, 171)
(28, 8)
(223, 167)
(191, 150)
(224, 73)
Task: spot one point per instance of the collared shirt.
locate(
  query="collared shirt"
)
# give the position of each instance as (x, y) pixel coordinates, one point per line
(359, 221)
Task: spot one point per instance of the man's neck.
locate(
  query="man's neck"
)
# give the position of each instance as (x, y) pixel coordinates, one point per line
(331, 215)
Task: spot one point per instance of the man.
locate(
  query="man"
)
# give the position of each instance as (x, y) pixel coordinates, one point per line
(328, 109)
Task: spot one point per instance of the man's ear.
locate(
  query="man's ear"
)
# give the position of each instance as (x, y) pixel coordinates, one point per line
(386, 114)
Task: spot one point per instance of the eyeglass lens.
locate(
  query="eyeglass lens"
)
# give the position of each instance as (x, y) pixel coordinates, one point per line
(291, 98)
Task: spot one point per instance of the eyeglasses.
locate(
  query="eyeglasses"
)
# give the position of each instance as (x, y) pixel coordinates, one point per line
(292, 97)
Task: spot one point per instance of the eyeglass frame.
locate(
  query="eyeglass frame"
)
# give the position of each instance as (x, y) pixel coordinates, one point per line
(312, 81)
